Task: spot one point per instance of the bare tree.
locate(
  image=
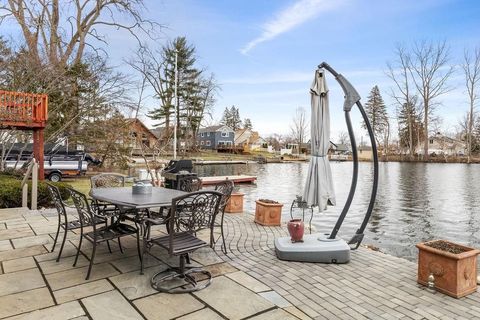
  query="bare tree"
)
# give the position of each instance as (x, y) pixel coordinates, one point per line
(60, 31)
(299, 127)
(403, 95)
(343, 137)
(429, 70)
(471, 68)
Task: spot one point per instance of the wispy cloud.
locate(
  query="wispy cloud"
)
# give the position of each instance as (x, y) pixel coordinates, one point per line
(291, 17)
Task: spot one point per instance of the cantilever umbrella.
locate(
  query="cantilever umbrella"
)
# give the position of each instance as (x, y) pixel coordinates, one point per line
(319, 186)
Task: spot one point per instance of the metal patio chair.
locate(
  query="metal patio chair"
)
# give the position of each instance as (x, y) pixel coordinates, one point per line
(66, 225)
(113, 231)
(226, 189)
(106, 180)
(189, 184)
(189, 213)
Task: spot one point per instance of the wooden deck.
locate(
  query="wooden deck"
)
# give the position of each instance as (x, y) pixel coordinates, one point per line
(235, 179)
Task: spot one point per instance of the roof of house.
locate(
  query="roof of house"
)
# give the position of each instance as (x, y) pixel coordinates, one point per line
(158, 131)
(214, 129)
(144, 127)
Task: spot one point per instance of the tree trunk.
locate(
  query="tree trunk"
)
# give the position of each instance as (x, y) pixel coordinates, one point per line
(425, 120)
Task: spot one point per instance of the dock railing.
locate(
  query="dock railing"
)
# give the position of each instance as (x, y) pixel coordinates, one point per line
(33, 171)
(23, 110)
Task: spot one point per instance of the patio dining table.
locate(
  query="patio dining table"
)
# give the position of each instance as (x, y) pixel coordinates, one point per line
(124, 199)
(140, 204)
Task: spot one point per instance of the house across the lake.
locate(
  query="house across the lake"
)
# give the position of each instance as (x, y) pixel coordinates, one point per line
(440, 144)
(247, 140)
(216, 138)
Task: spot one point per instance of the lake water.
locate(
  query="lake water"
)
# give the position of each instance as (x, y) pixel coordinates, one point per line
(415, 201)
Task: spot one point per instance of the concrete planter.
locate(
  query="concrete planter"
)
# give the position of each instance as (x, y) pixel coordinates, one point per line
(268, 214)
(235, 203)
(454, 274)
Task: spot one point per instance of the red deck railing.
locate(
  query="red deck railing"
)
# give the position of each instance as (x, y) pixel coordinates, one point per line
(23, 110)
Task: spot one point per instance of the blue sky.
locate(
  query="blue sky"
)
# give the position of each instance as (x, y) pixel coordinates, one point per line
(264, 52)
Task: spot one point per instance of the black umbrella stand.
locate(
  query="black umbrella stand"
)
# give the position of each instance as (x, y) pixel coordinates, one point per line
(353, 98)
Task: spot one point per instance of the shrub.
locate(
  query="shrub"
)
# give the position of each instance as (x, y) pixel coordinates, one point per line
(11, 192)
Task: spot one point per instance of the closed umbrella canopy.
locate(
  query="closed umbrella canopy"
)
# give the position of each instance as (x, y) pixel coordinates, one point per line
(319, 190)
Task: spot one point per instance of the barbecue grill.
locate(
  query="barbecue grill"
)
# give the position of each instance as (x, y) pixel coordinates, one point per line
(177, 170)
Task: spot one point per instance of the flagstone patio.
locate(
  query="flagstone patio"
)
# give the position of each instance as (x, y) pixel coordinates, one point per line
(249, 283)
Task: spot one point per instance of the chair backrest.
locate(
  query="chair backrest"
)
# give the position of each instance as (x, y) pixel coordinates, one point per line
(85, 213)
(107, 180)
(225, 188)
(189, 184)
(57, 200)
(193, 212)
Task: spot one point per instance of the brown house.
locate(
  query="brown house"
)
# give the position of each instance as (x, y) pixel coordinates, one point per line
(140, 134)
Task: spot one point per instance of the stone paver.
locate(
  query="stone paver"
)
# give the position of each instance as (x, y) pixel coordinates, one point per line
(167, 306)
(249, 282)
(20, 281)
(135, 285)
(274, 315)
(232, 300)
(32, 241)
(19, 264)
(82, 291)
(77, 276)
(24, 302)
(110, 305)
(202, 315)
(71, 310)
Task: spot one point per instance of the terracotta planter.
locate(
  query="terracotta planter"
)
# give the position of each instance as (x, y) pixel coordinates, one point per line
(454, 274)
(296, 228)
(268, 214)
(235, 204)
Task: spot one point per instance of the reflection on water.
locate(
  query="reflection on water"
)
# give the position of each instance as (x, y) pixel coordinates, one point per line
(415, 201)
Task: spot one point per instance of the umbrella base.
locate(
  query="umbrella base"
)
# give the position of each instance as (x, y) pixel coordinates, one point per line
(314, 248)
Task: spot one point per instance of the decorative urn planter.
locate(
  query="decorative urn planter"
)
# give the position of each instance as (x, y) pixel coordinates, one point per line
(235, 203)
(448, 267)
(268, 212)
(296, 228)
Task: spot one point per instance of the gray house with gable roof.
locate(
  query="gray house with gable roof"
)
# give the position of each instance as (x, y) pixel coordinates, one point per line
(215, 137)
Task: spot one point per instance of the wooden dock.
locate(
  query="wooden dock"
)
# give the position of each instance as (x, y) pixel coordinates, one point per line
(235, 179)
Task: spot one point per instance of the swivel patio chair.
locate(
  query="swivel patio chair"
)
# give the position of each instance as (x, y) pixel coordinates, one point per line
(226, 189)
(189, 184)
(113, 231)
(66, 225)
(189, 214)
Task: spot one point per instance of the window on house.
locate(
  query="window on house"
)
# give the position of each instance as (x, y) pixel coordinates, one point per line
(201, 143)
(201, 134)
(208, 134)
(431, 141)
(209, 143)
(224, 134)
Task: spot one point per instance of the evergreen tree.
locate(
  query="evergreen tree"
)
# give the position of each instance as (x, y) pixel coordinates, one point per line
(247, 123)
(231, 118)
(376, 112)
(410, 129)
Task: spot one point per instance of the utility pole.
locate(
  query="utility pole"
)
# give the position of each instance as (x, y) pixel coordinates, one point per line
(176, 107)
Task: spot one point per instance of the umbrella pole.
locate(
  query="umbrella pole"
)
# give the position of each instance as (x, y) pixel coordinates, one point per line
(353, 186)
(358, 237)
(351, 98)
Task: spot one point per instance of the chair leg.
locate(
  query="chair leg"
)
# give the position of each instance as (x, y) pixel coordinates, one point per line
(187, 258)
(140, 255)
(91, 260)
(109, 248)
(56, 236)
(78, 249)
(120, 245)
(63, 243)
(224, 245)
